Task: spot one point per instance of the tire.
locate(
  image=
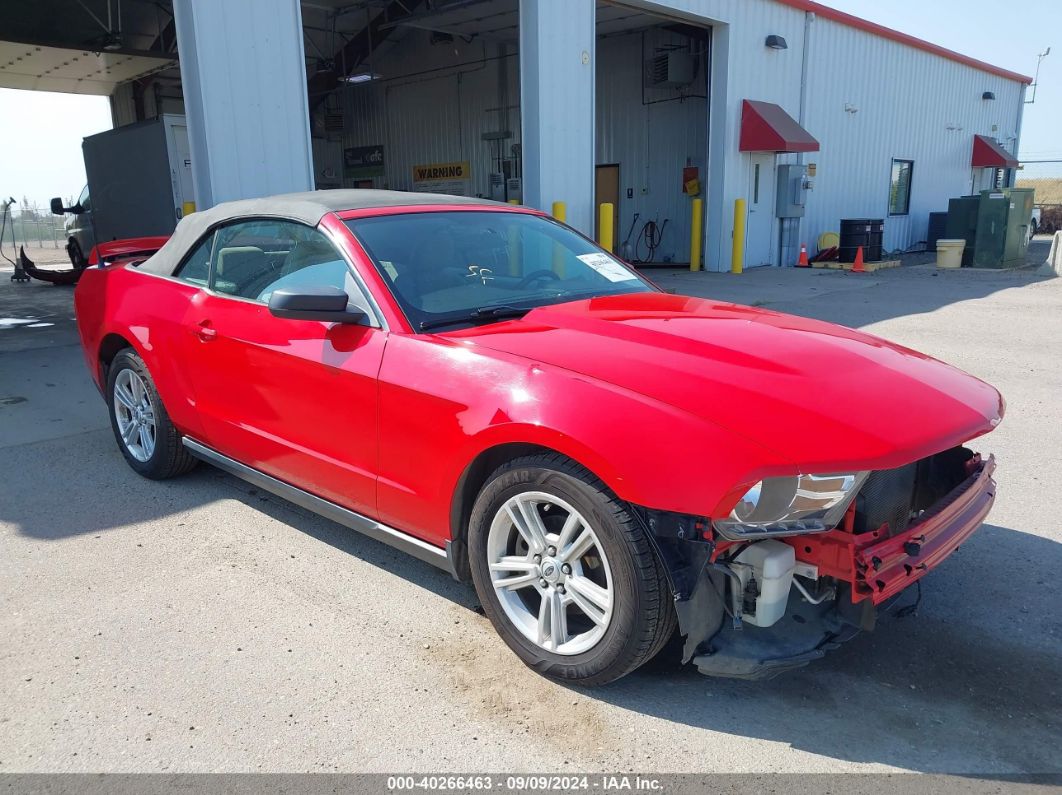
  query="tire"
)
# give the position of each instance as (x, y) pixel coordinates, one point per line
(155, 449)
(77, 256)
(604, 632)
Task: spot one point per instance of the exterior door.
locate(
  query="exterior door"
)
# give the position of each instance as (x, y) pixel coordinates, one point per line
(296, 399)
(606, 189)
(759, 232)
(181, 169)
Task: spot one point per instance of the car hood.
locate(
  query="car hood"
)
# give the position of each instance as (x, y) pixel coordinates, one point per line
(823, 396)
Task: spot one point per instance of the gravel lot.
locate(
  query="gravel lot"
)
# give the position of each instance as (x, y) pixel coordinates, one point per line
(197, 625)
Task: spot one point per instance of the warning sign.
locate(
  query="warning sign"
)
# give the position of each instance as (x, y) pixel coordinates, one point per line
(440, 171)
(450, 178)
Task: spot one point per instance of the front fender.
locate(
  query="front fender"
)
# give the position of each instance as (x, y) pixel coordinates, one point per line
(647, 453)
(444, 404)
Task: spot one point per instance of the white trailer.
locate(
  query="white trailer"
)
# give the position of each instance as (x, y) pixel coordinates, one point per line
(139, 178)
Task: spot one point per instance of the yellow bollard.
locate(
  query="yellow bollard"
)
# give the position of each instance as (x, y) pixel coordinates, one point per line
(560, 212)
(605, 226)
(696, 235)
(737, 256)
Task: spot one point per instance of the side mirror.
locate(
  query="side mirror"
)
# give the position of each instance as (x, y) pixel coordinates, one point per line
(327, 304)
(57, 206)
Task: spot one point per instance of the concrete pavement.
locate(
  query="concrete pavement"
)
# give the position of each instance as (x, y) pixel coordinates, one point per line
(198, 625)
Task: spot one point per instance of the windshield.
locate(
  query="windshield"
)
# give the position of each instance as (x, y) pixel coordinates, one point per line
(463, 267)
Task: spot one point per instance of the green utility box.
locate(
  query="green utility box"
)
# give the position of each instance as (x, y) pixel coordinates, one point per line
(995, 226)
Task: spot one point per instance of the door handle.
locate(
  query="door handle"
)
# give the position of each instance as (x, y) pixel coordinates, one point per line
(205, 331)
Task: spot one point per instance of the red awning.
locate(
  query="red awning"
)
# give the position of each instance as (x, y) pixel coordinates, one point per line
(765, 127)
(988, 154)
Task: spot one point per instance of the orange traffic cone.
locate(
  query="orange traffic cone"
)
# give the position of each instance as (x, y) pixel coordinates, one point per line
(857, 266)
(803, 261)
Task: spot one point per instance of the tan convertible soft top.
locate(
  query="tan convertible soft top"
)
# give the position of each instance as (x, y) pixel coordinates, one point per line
(308, 208)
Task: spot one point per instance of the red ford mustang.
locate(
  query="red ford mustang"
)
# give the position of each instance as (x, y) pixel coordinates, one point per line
(484, 388)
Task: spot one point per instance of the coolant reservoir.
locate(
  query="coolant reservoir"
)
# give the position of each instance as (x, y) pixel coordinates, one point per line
(771, 563)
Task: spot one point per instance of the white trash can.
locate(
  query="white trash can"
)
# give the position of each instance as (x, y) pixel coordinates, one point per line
(949, 253)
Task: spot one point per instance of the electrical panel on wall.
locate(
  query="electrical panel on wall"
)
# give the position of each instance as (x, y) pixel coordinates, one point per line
(793, 186)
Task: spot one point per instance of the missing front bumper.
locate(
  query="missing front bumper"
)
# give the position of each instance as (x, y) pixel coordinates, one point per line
(872, 570)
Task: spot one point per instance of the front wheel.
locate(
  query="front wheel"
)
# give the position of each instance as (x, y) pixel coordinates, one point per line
(77, 256)
(565, 574)
(145, 434)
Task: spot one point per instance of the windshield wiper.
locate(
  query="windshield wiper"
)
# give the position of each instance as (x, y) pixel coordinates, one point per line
(482, 313)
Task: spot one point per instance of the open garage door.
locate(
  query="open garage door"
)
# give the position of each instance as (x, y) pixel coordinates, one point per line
(652, 122)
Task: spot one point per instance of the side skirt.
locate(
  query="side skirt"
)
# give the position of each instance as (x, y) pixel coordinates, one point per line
(329, 510)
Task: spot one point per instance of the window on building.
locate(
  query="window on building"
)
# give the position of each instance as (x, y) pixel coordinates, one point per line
(900, 187)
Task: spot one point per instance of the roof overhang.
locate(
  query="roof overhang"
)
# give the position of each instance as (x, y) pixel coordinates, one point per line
(989, 154)
(37, 67)
(765, 127)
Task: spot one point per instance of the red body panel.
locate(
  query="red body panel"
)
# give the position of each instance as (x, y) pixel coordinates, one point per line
(880, 566)
(676, 403)
(296, 399)
(823, 397)
(443, 401)
(149, 313)
(116, 249)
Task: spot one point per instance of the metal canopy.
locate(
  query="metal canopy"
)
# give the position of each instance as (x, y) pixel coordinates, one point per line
(39, 68)
(765, 127)
(989, 154)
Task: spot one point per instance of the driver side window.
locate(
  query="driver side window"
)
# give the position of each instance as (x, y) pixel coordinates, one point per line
(251, 259)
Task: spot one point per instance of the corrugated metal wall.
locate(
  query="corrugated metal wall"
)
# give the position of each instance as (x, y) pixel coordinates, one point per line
(910, 105)
(652, 135)
(433, 105)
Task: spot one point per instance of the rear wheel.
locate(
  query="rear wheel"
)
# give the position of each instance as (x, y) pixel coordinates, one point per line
(145, 435)
(566, 576)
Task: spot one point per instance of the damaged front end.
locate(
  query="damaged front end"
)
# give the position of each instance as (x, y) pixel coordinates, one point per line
(751, 606)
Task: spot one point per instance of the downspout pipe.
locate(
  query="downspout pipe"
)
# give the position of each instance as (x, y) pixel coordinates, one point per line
(809, 18)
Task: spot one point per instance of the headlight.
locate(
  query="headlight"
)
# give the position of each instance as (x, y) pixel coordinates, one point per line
(791, 506)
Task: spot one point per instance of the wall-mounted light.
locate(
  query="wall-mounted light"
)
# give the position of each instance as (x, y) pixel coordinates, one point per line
(850, 108)
(776, 42)
(988, 95)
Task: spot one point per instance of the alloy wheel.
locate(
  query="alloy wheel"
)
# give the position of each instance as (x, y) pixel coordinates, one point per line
(135, 415)
(550, 574)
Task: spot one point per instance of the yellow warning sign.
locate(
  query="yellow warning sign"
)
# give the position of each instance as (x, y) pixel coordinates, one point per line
(442, 171)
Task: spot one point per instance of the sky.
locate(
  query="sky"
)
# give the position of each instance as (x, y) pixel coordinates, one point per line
(40, 142)
(40, 139)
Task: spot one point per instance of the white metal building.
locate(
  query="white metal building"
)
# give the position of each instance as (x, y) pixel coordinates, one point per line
(868, 95)
(642, 103)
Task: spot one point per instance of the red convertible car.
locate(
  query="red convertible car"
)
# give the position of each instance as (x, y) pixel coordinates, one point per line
(486, 389)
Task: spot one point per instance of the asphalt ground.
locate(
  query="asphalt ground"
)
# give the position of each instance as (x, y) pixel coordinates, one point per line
(198, 625)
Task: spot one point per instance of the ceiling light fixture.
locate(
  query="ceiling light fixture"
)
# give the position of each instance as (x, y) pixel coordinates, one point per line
(363, 76)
